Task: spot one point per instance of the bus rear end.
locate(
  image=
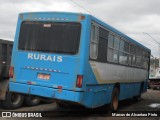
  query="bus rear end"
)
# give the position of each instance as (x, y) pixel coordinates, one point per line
(47, 55)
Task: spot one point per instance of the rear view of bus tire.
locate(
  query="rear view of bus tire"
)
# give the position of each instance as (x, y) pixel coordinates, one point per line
(31, 101)
(13, 101)
(114, 100)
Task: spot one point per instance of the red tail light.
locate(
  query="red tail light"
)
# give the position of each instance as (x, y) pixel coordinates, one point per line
(60, 87)
(79, 81)
(11, 72)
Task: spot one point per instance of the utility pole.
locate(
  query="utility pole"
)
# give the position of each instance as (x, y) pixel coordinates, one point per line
(156, 42)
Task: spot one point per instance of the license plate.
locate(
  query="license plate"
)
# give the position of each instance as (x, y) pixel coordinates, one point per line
(43, 76)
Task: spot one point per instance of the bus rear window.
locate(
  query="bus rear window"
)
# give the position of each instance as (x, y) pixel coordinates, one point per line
(58, 37)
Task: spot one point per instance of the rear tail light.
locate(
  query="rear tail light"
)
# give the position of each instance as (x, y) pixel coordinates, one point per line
(11, 72)
(60, 87)
(79, 81)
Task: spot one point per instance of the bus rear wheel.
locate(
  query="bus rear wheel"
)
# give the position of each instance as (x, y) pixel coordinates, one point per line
(13, 101)
(114, 100)
(31, 101)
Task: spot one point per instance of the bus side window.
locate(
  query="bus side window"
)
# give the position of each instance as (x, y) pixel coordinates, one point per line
(123, 58)
(102, 45)
(116, 49)
(133, 53)
(113, 47)
(110, 48)
(116, 43)
(110, 40)
(94, 42)
(123, 53)
(138, 57)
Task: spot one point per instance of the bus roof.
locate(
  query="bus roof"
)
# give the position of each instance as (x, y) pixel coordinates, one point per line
(98, 21)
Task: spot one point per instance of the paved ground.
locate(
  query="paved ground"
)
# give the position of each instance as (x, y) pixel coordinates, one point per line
(150, 101)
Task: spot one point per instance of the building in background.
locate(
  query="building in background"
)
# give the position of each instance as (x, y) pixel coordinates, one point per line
(154, 74)
(154, 68)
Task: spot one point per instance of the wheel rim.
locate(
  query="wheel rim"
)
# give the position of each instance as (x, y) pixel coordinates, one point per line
(115, 102)
(15, 98)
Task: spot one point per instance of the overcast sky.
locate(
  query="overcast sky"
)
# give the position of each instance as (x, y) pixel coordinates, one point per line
(132, 17)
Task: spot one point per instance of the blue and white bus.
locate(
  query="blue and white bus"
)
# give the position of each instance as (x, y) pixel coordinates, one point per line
(76, 58)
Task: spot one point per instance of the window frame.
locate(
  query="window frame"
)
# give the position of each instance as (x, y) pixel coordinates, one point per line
(93, 42)
(113, 49)
(20, 48)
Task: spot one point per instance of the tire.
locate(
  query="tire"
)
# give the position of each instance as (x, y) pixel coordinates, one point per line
(114, 100)
(13, 101)
(31, 101)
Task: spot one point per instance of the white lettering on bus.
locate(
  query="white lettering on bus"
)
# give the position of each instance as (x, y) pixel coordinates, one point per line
(49, 58)
(54, 58)
(30, 56)
(36, 57)
(59, 58)
(44, 57)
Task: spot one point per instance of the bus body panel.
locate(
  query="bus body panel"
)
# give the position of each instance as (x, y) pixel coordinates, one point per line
(60, 72)
(112, 73)
(94, 96)
(99, 79)
(62, 68)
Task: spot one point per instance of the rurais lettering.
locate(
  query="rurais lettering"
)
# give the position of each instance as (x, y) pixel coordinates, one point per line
(44, 57)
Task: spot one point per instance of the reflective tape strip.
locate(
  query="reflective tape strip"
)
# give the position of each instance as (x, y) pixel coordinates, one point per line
(50, 19)
(42, 69)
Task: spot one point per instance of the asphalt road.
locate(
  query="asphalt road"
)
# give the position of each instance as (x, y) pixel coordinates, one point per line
(149, 102)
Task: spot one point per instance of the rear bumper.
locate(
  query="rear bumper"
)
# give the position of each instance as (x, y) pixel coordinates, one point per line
(46, 92)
